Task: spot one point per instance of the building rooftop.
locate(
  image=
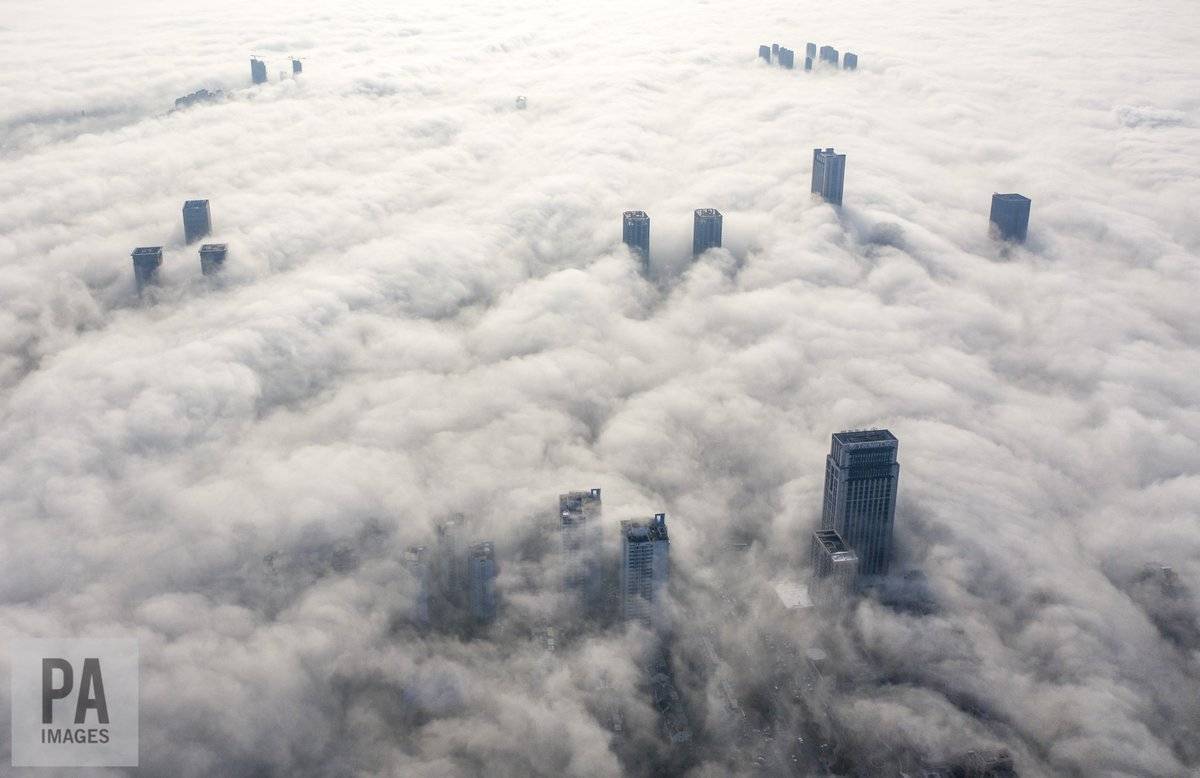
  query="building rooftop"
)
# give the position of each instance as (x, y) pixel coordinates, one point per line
(707, 212)
(195, 204)
(484, 550)
(1011, 197)
(644, 532)
(632, 215)
(147, 251)
(832, 542)
(212, 248)
(863, 436)
(793, 595)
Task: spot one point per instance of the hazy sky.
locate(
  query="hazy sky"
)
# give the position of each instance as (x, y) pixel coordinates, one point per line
(426, 310)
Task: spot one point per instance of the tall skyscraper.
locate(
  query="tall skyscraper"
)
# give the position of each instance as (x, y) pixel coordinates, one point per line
(764, 52)
(258, 70)
(451, 560)
(828, 175)
(861, 475)
(787, 58)
(635, 232)
(416, 561)
(212, 258)
(835, 567)
(481, 573)
(810, 50)
(706, 230)
(197, 222)
(645, 567)
(829, 54)
(579, 517)
(774, 49)
(146, 262)
(297, 68)
(1010, 216)
(850, 61)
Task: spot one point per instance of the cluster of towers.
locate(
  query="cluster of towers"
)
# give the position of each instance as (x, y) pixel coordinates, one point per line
(197, 224)
(455, 578)
(786, 58)
(258, 69)
(706, 232)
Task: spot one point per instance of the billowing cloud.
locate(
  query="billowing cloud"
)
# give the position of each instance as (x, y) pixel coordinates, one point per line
(426, 312)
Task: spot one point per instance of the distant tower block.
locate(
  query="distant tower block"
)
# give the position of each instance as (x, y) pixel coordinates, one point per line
(297, 68)
(850, 61)
(146, 262)
(212, 258)
(787, 58)
(706, 231)
(645, 567)
(635, 232)
(1010, 217)
(808, 63)
(829, 54)
(258, 70)
(828, 175)
(810, 50)
(774, 49)
(197, 222)
(481, 577)
(764, 52)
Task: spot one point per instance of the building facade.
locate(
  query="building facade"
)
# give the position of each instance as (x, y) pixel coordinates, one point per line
(829, 54)
(258, 70)
(197, 221)
(861, 478)
(1010, 216)
(834, 565)
(635, 233)
(579, 517)
(706, 230)
(645, 569)
(212, 258)
(828, 175)
(481, 573)
(850, 61)
(146, 262)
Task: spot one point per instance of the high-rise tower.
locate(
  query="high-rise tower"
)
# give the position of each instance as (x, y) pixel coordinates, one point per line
(645, 567)
(1010, 217)
(146, 262)
(212, 258)
(861, 475)
(706, 230)
(579, 527)
(481, 577)
(258, 70)
(197, 221)
(635, 232)
(828, 175)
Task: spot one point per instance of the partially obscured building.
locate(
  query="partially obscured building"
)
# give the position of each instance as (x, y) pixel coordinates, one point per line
(861, 478)
(416, 561)
(451, 562)
(828, 175)
(645, 568)
(829, 54)
(481, 573)
(297, 67)
(212, 258)
(706, 230)
(787, 58)
(808, 63)
(146, 262)
(764, 53)
(258, 70)
(834, 566)
(810, 50)
(1010, 216)
(197, 222)
(850, 61)
(579, 517)
(635, 232)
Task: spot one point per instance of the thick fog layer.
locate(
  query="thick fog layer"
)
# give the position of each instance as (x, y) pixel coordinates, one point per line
(427, 311)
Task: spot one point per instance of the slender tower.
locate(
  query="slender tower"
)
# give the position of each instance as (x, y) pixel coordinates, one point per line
(861, 475)
(706, 230)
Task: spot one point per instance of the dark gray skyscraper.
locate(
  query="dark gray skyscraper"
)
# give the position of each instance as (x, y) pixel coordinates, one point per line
(146, 262)
(829, 54)
(297, 68)
(481, 575)
(635, 232)
(1010, 216)
(764, 52)
(810, 50)
(774, 48)
(861, 475)
(828, 175)
(258, 70)
(706, 230)
(212, 258)
(197, 223)
(787, 58)
(645, 566)
(835, 567)
(850, 61)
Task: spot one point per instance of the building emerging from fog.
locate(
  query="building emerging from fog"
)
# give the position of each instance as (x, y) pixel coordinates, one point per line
(197, 222)
(451, 563)
(835, 567)
(146, 262)
(810, 50)
(764, 53)
(481, 573)
(416, 561)
(861, 476)
(829, 54)
(579, 527)
(258, 70)
(828, 175)
(1010, 216)
(212, 258)
(850, 61)
(787, 58)
(297, 67)
(706, 231)
(635, 232)
(645, 567)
